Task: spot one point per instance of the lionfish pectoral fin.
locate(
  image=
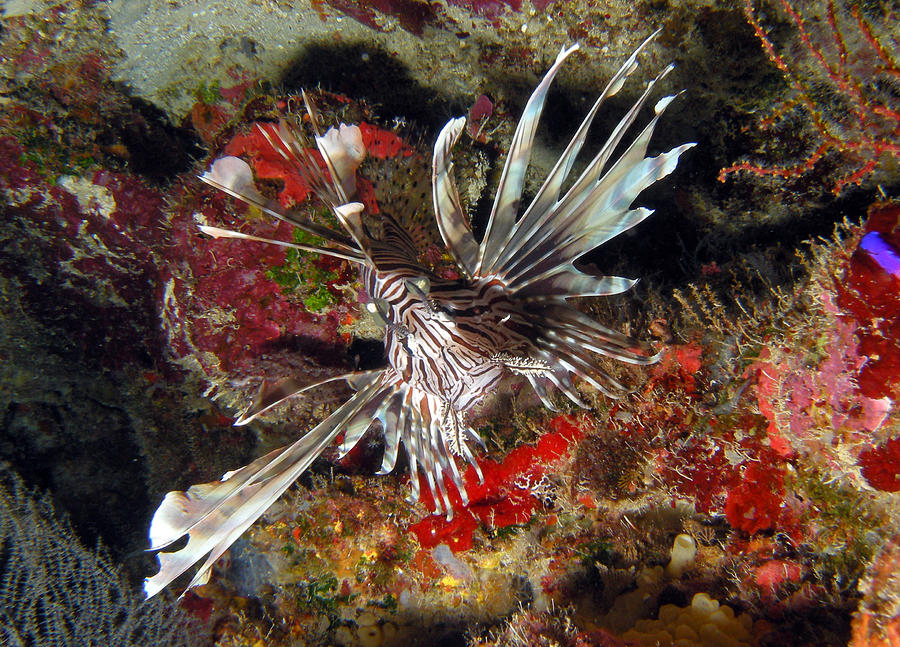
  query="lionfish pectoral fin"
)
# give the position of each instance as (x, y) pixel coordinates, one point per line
(233, 176)
(364, 419)
(218, 232)
(212, 528)
(470, 457)
(349, 216)
(343, 151)
(214, 515)
(393, 424)
(536, 382)
(561, 378)
(269, 396)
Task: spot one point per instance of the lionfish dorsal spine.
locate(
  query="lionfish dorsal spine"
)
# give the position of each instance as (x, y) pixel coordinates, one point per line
(503, 214)
(452, 221)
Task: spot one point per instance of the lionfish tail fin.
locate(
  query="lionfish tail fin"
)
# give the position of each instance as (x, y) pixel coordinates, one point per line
(213, 515)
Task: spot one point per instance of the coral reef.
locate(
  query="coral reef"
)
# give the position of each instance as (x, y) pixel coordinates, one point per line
(767, 434)
(877, 622)
(704, 622)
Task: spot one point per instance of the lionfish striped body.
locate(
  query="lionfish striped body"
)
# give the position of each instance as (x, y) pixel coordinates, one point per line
(448, 343)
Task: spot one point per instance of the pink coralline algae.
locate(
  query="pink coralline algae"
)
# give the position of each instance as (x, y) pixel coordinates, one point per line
(813, 402)
(800, 400)
(731, 464)
(220, 307)
(479, 113)
(506, 497)
(94, 238)
(413, 15)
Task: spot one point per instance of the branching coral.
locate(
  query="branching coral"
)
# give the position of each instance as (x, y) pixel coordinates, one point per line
(55, 592)
(843, 78)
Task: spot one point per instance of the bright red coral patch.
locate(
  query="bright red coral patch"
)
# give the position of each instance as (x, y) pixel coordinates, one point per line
(698, 470)
(776, 572)
(870, 291)
(268, 164)
(881, 466)
(506, 497)
(678, 368)
(384, 144)
(754, 504)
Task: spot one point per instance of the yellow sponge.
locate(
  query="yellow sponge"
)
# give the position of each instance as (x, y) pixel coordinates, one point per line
(705, 623)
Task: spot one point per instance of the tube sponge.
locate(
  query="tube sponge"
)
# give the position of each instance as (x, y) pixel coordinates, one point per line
(682, 556)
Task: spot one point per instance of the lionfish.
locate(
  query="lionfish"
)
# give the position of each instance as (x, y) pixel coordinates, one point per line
(448, 343)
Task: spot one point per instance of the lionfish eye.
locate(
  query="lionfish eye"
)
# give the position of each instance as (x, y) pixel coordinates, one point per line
(380, 310)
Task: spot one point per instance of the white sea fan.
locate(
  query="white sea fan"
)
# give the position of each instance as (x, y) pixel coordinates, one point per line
(448, 343)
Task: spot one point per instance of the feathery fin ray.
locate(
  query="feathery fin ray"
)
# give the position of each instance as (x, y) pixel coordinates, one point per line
(214, 515)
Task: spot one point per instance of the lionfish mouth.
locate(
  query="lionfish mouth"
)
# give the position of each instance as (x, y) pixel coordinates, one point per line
(448, 342)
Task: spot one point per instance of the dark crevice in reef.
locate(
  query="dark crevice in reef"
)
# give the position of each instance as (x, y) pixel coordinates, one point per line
(62, 442)
(156, 149)
(670, 248)
(322, 353)
(367, 354)
(364, 71)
